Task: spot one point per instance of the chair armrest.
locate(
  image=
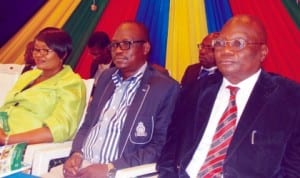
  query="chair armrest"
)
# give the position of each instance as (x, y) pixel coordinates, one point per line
(40, 155)
(136, 171)
(31, 149)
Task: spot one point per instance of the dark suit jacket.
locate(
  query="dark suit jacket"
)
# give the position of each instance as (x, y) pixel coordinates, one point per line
(152, 105)
(191, 74)
(266, 142)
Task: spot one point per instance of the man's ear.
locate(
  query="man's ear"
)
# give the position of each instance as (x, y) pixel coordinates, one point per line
(147, 47)
(264, 52)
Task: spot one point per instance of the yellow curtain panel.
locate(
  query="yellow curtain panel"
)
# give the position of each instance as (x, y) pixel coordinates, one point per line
(187, 27)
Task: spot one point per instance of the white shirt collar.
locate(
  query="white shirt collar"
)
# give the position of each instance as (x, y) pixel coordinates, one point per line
(209, 69)
(247, 83)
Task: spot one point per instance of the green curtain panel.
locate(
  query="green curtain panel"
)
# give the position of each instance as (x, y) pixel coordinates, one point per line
(80, 25)
(294, 10)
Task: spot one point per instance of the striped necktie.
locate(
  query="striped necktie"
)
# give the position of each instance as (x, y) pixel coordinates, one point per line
(213, 165)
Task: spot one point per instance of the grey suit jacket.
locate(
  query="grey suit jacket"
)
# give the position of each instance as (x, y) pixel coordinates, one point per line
(152, 105)
(266, 142)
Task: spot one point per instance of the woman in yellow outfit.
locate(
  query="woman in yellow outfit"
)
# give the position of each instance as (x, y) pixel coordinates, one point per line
(46, 103)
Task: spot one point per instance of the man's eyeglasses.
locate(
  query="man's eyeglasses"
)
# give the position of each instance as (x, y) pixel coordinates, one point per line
(124, 45)
(235, 44)
(204, 46)
(43, 52)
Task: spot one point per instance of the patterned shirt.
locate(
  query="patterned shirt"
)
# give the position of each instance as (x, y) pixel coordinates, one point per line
(101, 145)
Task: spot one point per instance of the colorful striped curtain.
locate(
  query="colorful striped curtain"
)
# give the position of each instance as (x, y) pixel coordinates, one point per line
(175, 28)
(121, 11)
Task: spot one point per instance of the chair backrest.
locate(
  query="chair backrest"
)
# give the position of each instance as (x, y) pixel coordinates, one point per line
(9, 74)
(89, 84)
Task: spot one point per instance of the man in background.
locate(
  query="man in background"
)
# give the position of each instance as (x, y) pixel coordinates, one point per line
(98, 48)
(207, 63)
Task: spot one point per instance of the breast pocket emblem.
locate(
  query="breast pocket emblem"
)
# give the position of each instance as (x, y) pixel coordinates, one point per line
(140, 130)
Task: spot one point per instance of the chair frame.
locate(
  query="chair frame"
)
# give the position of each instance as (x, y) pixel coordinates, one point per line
(9, 74)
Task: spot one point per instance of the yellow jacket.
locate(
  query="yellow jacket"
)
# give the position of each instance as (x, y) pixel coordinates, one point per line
(57, 103)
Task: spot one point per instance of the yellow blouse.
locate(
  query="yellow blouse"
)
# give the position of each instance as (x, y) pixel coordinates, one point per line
(57, 103)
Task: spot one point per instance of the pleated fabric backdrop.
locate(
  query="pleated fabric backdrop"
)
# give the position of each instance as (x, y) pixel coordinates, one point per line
(175, 28)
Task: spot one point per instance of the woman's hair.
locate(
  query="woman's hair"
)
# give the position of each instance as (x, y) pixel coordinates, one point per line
(28, 58)
(57, 40)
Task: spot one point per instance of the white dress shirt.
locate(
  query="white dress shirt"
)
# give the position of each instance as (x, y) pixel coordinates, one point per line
(221, 102)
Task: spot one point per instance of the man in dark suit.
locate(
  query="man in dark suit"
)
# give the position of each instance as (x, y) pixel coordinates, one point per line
(266, 139)
(207, 63)
(126, 122)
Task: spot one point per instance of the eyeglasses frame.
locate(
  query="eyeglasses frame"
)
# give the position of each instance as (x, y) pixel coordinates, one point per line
(42, 51)
(115, 45)
(229, 43)
(204, 46)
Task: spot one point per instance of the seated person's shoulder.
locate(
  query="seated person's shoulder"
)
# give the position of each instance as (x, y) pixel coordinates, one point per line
(160, 69)
(280, 86)
(285, 83)
(162, 79)
(69, 74)
(194, 66)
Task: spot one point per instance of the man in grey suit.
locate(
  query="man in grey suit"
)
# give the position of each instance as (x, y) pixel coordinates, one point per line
(126, 122)
(266, 139)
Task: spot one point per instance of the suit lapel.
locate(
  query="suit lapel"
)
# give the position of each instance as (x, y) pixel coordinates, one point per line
(133, 110)
(258, 98)
(206, 92)
(207, 96)
(100, 98)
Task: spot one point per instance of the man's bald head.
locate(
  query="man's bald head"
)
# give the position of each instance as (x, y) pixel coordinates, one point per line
(255, 26)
